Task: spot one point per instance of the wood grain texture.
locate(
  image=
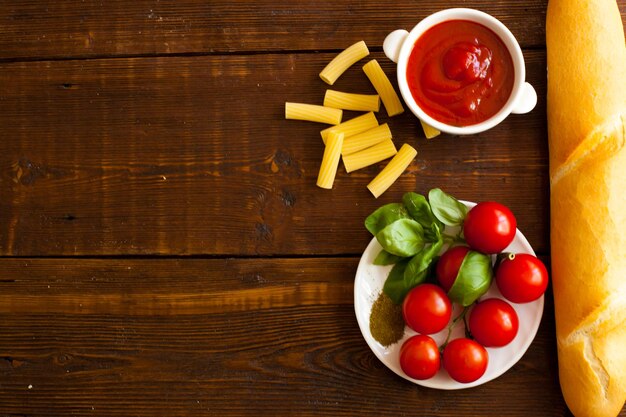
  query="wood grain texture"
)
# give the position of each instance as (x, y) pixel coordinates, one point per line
(66, 28)
(180, 156)
(155, 127)
(220, 337)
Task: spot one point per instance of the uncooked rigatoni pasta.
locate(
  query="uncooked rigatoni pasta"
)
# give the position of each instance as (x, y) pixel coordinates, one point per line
(392, 171)
(343, 61)
(330, 160)
(360, 141)
(350, 101)
(313, 113)
(366, 139)
(366, 157)
(353, 126)
(429, 131)
(383, 86)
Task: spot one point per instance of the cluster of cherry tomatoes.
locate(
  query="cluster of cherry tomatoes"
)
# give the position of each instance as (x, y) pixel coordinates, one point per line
(521, 278)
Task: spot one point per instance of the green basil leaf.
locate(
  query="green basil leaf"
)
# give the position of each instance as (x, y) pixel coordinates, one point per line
(473, 280)
(385, 258)
(394, 285)
(404, 237)
(446, 208)
(433, 233)
(417, 268)
(419, 208)
(384, 216)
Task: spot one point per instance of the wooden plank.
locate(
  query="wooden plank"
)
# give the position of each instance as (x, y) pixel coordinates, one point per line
(172, 287)
(180, 156)
(33, 29)
(273, 353)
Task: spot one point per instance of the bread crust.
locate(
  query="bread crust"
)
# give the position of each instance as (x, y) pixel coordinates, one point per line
(586, 74)
(586, 130)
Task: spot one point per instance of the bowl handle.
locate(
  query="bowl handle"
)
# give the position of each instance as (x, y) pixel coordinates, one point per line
(526, 101)
(393, 43)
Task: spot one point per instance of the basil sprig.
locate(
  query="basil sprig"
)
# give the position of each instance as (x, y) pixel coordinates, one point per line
(412, 235)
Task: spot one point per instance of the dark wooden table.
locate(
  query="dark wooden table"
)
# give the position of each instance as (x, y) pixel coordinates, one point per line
(165, 250)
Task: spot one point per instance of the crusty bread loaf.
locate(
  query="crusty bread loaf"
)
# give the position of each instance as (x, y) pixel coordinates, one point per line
(587, 143)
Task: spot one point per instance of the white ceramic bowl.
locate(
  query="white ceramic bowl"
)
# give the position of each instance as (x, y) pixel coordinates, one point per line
(399, 44)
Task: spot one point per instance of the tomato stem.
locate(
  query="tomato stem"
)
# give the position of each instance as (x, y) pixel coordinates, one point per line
(501, 257)
(467, 331)
(452, 325)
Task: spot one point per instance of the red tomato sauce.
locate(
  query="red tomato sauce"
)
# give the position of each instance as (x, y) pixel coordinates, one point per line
(460, 73)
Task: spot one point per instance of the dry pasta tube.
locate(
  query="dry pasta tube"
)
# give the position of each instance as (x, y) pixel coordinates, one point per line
(370, 156)
(392, 171)
(429, 131)
(383, 86)
(343, 61)
(313, 113)
(366, 139)
(330, 160)
(353, 126)
(349, 101)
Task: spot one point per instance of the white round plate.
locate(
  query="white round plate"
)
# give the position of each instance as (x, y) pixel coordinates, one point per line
(369, 283)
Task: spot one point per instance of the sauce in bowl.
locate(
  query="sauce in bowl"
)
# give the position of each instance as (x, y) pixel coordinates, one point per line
(460, 73)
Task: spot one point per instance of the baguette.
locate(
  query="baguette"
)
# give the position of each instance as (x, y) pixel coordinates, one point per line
(586, 131)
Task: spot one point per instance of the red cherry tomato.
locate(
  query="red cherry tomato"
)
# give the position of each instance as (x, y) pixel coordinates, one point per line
(493, 323)
(426, 309)
(465, 360)
(419, 357)
(449, 264)
(489, 227)
(522, 278)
